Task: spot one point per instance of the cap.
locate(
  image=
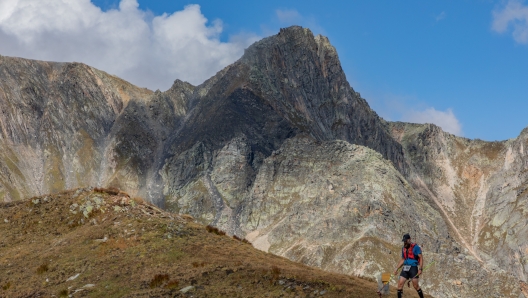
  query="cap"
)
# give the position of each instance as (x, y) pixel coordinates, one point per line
(405, 237)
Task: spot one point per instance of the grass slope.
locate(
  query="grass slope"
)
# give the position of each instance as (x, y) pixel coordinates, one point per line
(102, 243)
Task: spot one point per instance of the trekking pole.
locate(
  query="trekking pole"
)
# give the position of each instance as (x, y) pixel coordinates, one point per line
(409, 282)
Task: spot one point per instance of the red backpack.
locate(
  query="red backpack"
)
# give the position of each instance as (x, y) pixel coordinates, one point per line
(408, 253)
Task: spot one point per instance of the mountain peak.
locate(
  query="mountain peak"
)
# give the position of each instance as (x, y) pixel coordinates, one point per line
(301, 77)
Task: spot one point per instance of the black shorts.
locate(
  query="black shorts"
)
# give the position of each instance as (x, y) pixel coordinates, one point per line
(411, 273)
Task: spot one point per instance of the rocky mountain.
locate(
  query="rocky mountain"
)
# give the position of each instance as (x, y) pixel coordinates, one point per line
(279, 149)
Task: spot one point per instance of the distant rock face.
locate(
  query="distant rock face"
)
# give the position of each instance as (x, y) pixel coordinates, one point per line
(55, 118)
(479, 188)
(277, 148)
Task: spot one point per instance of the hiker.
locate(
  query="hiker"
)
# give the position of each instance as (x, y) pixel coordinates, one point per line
(412, 262)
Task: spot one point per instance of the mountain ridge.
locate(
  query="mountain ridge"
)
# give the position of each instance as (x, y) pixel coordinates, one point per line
(276, 143)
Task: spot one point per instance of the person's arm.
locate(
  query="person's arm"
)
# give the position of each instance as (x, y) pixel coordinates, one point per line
(400, 263)
(420, 265)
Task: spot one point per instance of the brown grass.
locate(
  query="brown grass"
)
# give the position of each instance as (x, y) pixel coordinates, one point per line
(125, 254)
(492, 149)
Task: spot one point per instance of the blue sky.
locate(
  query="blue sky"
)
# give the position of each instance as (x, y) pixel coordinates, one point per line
(460, 64)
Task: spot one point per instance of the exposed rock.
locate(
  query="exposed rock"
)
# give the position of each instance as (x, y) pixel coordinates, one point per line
(187, 289)
(54, 121)
(276, 148)
(73, 277)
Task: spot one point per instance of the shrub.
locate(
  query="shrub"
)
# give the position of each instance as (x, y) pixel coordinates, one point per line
(173, 284)
(124, 194)
(158, 280)
(6, 286)
(215, 230)
(63, 293)
(275, 272)
(197, 264)
(43, 268)
(111, 191)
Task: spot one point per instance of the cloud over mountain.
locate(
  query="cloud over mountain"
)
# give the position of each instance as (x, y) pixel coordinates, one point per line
(445, 119)
(150, 51)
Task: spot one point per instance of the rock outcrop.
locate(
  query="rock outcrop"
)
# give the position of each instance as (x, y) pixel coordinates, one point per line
(277, 148)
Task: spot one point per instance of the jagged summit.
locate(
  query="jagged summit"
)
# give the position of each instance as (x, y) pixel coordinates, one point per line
(301, 77)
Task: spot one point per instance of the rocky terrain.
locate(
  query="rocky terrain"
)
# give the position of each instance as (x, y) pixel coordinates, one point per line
(278, 149)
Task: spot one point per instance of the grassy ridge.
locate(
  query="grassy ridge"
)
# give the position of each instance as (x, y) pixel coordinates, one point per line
(102, 243)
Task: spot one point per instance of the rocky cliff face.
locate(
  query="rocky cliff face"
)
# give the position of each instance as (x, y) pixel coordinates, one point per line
(55, 118)
(277, 148)
(478, 187)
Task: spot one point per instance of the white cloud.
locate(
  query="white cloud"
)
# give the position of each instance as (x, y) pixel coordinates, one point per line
(441, 16)
(408, 108)
(150, 51)
(445, 119)
(513, 16)
(289, 17)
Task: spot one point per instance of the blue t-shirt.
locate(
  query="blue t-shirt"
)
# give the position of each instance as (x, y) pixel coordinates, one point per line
(416, 251)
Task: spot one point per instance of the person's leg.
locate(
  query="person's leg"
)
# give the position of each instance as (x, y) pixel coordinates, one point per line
(416, 285)
(401, 283)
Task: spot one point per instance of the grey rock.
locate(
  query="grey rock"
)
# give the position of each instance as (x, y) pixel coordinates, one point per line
(277, 148)
(187, 289)
(73, 277)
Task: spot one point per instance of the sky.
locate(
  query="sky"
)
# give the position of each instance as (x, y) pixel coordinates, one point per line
(460, 64)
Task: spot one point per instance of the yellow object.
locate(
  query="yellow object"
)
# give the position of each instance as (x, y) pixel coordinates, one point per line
(385, 277)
